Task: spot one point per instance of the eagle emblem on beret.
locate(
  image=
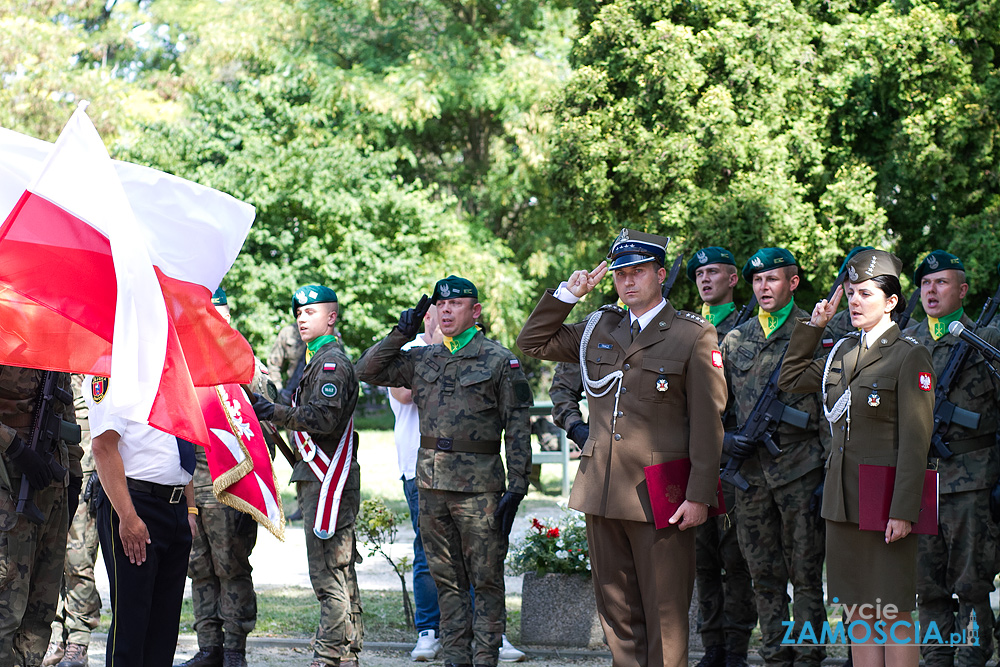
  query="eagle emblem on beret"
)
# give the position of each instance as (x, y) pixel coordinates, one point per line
(702, 257)
(757, 263)
(932, 261)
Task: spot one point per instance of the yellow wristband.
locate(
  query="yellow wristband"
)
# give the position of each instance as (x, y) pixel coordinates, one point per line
(193, 510)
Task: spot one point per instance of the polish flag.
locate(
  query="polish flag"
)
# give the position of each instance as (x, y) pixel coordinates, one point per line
(93, 251)
(242, 475)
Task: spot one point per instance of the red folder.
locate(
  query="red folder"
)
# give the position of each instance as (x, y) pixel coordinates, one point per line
(667, 485)
(875, 498)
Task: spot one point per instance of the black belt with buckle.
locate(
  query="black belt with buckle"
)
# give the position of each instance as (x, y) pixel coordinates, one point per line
(172, 494)
(454, 445)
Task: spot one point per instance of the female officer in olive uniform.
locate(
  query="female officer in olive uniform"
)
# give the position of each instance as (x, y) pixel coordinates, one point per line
(878, 397)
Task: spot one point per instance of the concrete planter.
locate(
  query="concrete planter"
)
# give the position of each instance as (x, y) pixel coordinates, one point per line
(559, 610)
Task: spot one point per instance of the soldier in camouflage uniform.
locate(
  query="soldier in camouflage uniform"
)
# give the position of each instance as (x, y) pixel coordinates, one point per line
(725, 592)
(322, 413)
(288, 348)
(79, 610)
(781, 541)
(468, 391)
(961, 559)
(225, 605)
(32, 555)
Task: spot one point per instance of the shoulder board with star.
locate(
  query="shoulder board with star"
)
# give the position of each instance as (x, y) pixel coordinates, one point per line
(852, 334)
(911, 340)
(613, 308)
(688, 315)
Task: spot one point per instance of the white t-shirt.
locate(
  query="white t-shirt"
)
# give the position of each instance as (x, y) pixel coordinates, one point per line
(407, 429)
(149, 455)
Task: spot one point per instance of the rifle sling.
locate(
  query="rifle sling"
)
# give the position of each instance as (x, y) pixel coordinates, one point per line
(970, 444)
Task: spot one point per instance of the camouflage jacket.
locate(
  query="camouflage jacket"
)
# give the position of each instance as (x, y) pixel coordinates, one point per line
(749, 360)
(285, 354)
(83, 419)
(475, 394)
(324, 404)
(19, 389)
(976, 390)
(566, 393)
(727, 324)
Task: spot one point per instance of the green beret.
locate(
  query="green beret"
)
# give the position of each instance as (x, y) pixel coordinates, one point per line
(710, 255)
(632, 247)
(766, 259)
(867, 264)
(454, 287)
(219, 297)
(312, 294)
(939, 260)
(854, 251)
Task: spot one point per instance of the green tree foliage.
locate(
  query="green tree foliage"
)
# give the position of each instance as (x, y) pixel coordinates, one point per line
(812, 126)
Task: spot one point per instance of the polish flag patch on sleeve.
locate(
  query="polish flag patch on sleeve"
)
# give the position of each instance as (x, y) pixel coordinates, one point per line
(330, 366)
(924, 379)
(716, 358)
(514, 363)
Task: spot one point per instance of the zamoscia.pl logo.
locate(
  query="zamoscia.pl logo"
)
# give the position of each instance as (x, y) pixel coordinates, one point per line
(880, 632)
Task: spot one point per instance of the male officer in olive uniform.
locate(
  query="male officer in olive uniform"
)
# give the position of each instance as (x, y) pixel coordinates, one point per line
(225, 605)
(468, 391)
(781, 541)
(726, 604)
(962, 558)
(32, 555)
(321, 415)
(656, 392)
(79, 610)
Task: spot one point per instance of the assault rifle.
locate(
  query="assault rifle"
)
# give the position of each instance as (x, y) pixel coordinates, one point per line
(675, 270)
(768, 412)
(947, 413)
(46, 429)
(746, 311)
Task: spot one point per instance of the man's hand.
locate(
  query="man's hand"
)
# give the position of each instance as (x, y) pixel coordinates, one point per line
(263, 408)
(579, 433)
(824, 310)
(506, 511)
(135, 537)
(689, 515)
(897, 529)
(193, 525)
(32, 465)
(582, 282)
(737, 446)
(411, 318)
(816, 500)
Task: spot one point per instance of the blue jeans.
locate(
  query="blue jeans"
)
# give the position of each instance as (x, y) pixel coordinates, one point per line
(428, 616)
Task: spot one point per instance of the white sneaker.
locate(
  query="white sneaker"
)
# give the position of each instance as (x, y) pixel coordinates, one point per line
(510, 654)
(427, 648)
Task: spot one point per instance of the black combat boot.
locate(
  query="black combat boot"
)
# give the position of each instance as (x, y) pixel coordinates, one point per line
(233, 657)
(210, 657)
(715, 656)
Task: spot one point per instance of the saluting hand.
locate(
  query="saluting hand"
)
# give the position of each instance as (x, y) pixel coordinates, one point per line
(825, 310)
(582, 282)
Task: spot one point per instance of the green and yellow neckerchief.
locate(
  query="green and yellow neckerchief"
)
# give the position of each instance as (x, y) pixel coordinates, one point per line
(716, 314)
(939, 327)
(771, 322)
(455, 344)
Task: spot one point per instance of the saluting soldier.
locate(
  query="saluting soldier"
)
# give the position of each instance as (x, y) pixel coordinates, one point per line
(656, 393)
(726, 603)
(469, 390)
(327, 474)
(781, 540)
(961, 560)
(31, 555)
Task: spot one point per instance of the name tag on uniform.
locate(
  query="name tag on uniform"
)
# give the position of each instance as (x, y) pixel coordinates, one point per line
(605, 346)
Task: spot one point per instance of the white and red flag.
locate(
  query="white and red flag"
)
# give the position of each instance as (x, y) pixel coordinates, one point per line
(93, 252)
(242, 476)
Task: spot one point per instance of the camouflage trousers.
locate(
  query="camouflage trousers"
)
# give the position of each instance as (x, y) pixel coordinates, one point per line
(79, 610)
(960, 560)
(464, 547)
(31, 566)
(225, 605)
(783, 541)
(334, 580)
(727, 610)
